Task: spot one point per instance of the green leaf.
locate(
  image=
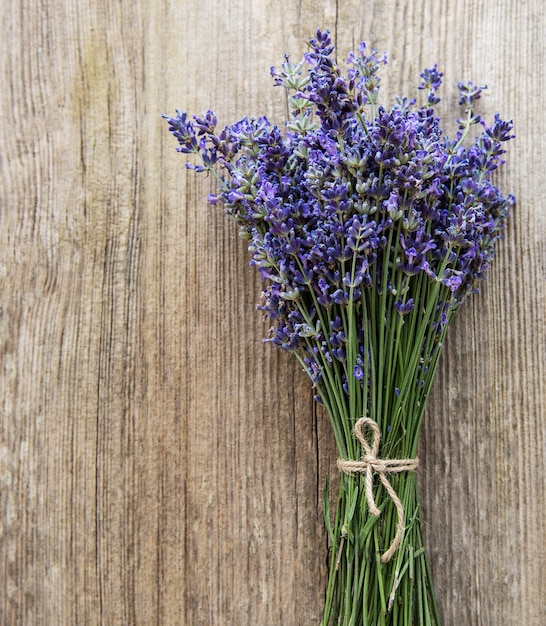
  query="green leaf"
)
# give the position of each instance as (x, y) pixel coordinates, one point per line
(326, 508)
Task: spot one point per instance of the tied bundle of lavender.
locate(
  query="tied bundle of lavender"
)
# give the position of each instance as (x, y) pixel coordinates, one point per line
(369, 227)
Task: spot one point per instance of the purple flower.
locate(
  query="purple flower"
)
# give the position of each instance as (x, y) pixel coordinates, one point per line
(432, 79)
(404, 307)
(348, 203)
(469, 93)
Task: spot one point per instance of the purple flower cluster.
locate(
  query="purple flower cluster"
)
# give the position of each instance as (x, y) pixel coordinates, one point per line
(353, 202)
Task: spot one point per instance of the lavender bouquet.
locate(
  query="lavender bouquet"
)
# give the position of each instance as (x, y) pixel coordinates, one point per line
(369, 227)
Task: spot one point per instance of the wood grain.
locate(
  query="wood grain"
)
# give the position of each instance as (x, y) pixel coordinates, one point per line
(158, 463)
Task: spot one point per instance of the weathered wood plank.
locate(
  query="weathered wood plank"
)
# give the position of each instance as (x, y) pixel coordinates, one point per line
(158, 463)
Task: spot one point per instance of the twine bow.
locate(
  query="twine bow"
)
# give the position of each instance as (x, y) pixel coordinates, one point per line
(370, 464)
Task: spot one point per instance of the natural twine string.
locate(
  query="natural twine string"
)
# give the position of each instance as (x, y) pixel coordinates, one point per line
(370, 464)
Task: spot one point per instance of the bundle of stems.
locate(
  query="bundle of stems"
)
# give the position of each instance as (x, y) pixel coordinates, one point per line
(369, 227)
(362, 587)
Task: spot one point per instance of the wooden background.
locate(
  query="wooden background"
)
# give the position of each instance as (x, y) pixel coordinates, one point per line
(159, 465)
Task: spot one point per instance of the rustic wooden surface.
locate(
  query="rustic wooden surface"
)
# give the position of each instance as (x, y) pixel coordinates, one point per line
(158, 463)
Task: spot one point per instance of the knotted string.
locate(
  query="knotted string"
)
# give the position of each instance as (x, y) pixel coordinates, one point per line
(370, 464)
